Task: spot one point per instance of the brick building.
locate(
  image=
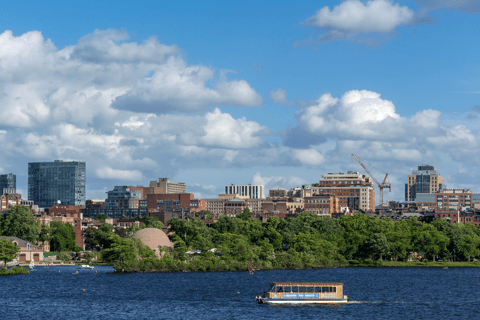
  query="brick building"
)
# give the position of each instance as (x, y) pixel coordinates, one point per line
(323, 205)
(169, 187)
(447, 199)
(352, 189)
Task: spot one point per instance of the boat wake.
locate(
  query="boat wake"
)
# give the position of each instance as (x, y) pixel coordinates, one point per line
(406, 302)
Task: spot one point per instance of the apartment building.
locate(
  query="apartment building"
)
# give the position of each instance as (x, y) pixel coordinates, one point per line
(322, 205)
(447, 199)
(424, 180)
(169, 187)
(129, 197)
(251, 191)
(50, 182)
(352, 189)
(8, 181)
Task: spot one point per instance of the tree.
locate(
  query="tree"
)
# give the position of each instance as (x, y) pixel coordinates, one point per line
(101, 217)
(245, 215)
(378, 245)
(8, 250)
(88, 256)
(103, 235)
(152, 222)
(44, 233)
(62, 237)
(64, 256)
(21, 223)
(90, 237)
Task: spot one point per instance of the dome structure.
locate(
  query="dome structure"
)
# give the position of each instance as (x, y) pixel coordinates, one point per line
(153, 238)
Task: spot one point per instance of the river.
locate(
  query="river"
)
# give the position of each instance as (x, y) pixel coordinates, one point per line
(375, 293)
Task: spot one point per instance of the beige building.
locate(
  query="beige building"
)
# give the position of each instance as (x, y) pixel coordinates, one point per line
(28, 251)
(169, 187)
(352, 189)
(322, 205)
(424, 180)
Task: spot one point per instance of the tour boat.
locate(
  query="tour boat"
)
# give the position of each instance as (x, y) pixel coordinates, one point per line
(85, 266)
(304, 293)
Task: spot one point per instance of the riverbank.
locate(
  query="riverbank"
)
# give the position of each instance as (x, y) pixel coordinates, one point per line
(400, 264)
(13, 271)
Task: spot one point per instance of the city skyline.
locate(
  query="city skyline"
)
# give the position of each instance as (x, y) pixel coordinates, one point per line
(271, 93)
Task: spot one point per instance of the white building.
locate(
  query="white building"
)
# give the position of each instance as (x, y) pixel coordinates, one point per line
(253, 192)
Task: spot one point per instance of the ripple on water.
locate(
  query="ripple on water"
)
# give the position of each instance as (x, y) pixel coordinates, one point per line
(393, 293)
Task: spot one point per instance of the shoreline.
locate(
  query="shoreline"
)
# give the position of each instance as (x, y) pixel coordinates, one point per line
(414, 264)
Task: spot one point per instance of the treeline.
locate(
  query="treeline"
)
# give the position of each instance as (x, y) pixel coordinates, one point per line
(229, 244)
(306, 241)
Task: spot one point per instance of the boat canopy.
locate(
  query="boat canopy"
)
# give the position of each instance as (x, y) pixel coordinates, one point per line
(306, 284)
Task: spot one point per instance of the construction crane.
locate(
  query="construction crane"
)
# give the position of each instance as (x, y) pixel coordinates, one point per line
(381, 186)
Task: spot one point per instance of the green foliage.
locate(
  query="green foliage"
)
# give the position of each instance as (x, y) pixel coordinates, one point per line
(245, 215)
(152, 222)
(13, 271)
(62, 237)
(21, 223)
(64, 256)
(89, 256)
(8, 251)
(306, 241)
(101, 217)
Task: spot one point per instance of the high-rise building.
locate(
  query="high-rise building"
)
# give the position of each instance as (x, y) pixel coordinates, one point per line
(352, 189)
(253, 192)
(50, 182)
(8, 181)
(424, 180)
(169, 187)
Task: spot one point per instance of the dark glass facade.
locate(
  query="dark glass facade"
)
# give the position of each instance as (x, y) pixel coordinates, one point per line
(8, 181)
(49, 182)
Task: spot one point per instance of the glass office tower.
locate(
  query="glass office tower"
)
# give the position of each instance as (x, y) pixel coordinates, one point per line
(50, 182)
(8, 181)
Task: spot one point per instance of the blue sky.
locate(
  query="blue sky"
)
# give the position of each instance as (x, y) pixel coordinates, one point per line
(213, 93)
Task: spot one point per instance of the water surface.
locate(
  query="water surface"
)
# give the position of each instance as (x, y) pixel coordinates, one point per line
(376, 293)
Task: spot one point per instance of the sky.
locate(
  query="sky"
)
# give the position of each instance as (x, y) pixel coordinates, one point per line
(265, 92)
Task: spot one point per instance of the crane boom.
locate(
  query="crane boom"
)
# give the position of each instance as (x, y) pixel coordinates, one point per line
(382, 185)
(363, 166)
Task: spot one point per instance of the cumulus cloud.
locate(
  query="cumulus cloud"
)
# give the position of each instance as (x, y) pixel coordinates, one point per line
(275, 182)
(104, 73)
(309, 157)
(353, 17)
(128, 175)
(279, 96)
(356, 113)
(71, 103)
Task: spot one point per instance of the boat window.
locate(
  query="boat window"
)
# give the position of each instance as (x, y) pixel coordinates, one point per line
(309, 289)
(334, 289)
(294, 289)
(318, 289)
(280, 289)
(287, 289)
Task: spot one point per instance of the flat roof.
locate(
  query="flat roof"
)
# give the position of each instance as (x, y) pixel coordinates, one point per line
(306, 284)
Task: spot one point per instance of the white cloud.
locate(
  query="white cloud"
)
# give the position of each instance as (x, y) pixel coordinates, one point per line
(128, 175)
(278, 96)
(104, 72)
(309, 157)
(353, 17)
(356, 113)
(109, 46)
(222, 130)
(275, 182)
